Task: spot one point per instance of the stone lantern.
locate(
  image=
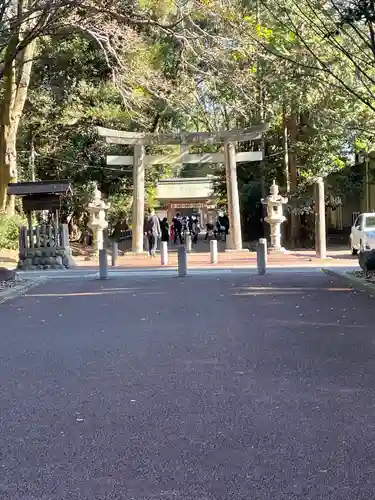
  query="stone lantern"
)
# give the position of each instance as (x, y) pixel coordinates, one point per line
(97, 209)
(274, 203)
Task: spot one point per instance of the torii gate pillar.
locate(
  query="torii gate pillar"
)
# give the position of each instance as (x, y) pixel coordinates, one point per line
(235, 236)
(138, 216)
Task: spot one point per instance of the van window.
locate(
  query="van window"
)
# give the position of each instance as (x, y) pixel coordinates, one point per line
(370, 221)
(358, 222)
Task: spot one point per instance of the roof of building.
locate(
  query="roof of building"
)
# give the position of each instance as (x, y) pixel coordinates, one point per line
(40, 188)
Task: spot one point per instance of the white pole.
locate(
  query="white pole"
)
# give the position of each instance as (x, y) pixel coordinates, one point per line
(262, 256)
(320, 220)
(182, 262)
(103, 264)
(213, 251)
(164, 253)
(188, 242)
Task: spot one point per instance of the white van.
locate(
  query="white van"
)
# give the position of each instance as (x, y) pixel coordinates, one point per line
(362, 236)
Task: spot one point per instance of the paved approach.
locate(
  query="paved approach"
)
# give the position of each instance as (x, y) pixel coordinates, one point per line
(208, 388)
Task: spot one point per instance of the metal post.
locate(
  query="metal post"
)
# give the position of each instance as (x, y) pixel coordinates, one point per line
(182, 262)
(103, 264)
(262, 256)
(164, 253)
(114, 253)
(213, 251)
(188, 242)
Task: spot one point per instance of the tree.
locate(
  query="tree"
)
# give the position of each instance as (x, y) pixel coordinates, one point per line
(112, 26)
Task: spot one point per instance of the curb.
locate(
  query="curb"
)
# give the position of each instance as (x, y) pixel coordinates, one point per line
(355, 282)
(12, 293)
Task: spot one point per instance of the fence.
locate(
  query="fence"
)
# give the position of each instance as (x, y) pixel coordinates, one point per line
(42, 237)
(126, 234)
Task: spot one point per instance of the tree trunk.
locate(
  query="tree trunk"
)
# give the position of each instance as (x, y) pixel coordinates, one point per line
(285, 228)
(286, 151)
(292, 160)
(15, 86)
(7, 91)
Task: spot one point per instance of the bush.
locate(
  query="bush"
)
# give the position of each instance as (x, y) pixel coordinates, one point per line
(9, 230)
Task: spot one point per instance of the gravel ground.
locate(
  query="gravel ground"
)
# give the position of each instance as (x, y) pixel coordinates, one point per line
(230, 388)
(11, 284)
(370, 278)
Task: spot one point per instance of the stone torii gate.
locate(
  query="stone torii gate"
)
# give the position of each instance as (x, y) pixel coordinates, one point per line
(139, 160)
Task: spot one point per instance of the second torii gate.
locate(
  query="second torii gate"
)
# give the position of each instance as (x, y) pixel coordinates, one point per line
(139, 160)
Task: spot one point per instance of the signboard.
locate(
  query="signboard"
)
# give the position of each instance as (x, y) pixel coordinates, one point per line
(188, 205)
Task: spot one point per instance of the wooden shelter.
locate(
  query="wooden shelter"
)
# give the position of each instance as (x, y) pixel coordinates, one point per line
(38, 196)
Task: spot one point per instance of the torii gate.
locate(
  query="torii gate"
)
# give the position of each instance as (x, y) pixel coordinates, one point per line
(139, 160)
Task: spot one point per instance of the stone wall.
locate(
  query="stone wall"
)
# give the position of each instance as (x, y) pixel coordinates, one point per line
(46, 258)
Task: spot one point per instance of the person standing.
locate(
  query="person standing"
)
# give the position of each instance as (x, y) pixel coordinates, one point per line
(195, 230)
(177, 224)
(153, 232)
(172, 231)
(164, 226)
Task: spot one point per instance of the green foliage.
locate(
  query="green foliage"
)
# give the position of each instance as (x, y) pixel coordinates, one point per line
(9, 230)
(120, 208)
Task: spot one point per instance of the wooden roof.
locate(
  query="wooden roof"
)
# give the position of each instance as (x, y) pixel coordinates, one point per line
(40, 188)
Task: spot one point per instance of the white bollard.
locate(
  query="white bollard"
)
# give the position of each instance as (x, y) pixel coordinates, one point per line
(262, 256)
(103, 264)
(213, 251)
(182, 262)
(164, 253)
(188, 243)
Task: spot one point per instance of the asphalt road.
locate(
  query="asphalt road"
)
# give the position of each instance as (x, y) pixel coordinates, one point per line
(227, 388)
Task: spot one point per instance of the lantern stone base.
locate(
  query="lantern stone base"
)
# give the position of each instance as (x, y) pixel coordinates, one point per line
(277, 250)
(237, 250)
(34, 259)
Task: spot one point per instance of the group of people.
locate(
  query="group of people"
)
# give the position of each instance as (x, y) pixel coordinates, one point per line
(181, 226)
(218, 230)
(156, 229)
(160, 229)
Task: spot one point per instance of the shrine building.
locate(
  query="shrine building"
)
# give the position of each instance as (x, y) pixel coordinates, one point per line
(187, 196)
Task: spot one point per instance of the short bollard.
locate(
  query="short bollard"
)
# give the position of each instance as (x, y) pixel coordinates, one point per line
(262, 256)
(103, 264)
(213, 251)
(114, 253)
(188, 243)
(164, 253)
(182, 262)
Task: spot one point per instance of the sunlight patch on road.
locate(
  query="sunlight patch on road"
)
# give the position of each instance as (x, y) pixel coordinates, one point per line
(270, 290)
(300, 322)
(88, 294)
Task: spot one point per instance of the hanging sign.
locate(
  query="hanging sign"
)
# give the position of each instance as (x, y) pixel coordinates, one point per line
(188, 205)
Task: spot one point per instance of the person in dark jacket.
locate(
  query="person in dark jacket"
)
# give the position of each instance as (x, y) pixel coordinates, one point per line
(164, 226)
(177, 223)
(153, 232)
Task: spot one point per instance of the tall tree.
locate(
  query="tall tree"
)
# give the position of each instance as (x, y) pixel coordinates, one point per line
(112, 25)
